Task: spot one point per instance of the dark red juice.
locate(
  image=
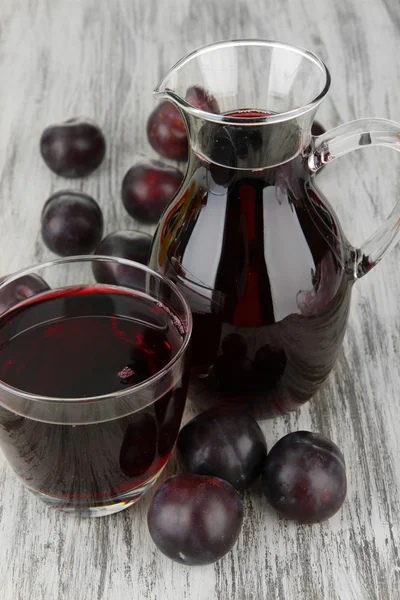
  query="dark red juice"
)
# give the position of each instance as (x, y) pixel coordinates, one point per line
(262, 261)
(83, 342)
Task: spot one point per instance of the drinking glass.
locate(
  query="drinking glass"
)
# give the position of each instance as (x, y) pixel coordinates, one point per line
(93, 379)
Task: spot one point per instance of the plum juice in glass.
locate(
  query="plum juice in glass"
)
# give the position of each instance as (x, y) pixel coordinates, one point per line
(93, 379)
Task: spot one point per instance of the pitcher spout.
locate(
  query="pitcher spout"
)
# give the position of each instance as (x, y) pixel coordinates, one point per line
(187, 95)
(174, 85)
(163, 91)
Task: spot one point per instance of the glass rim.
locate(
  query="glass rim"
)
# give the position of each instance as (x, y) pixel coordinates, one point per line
(160, 91)
(113, 395)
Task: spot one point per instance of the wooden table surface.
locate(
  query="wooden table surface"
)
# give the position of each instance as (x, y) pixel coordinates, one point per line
(101, 59)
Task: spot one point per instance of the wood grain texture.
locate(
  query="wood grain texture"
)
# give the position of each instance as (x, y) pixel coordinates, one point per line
(101, 58)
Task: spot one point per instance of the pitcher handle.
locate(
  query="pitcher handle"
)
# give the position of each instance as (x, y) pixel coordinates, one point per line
(356, 135)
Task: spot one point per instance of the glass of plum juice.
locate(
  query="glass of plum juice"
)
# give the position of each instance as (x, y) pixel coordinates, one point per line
(93, 379)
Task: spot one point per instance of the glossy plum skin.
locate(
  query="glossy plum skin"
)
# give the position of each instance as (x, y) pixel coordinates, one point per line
(74, 148)
(225, 443)
(72, 223)
(17, 291)
(148, 188)
(201, 99)
(166, 129)
(305, 477)
(132, 245)
(194, 519)
(166, 132)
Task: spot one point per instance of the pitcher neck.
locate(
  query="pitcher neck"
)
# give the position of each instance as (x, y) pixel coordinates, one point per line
(280, 85)
(249, 144)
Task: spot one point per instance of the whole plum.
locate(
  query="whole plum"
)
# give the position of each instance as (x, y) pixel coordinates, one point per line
(72, 223)
(223, 442)
(194, 519)
(148, 187)
(74, 148)
(166, 131)
(131, 245)
(20, 289)
(304, 477)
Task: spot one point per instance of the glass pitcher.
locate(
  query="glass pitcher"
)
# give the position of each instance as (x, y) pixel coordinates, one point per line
(249, 238)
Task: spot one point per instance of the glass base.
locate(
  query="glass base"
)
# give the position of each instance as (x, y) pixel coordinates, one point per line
(102, 509)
